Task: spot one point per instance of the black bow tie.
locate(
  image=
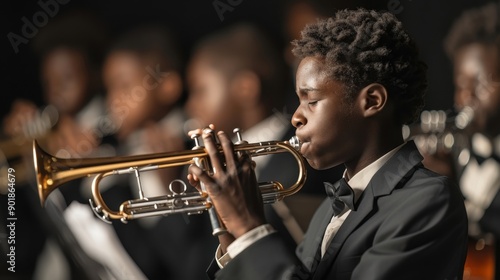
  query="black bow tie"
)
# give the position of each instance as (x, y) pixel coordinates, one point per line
(341, 195)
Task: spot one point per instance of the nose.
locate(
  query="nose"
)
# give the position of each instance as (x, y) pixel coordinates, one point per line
(298, 119)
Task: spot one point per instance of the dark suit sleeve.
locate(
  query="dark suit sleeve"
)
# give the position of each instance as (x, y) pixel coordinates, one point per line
(268, 258)
(489, 221)
(426, 226)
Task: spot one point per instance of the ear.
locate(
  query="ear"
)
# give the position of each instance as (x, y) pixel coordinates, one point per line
(246, 88)
(170, 89)
(373, 99)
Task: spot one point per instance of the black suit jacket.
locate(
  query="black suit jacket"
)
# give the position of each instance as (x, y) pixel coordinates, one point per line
(410, 223)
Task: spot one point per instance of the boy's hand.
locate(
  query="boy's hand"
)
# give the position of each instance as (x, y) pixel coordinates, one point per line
(233, 187)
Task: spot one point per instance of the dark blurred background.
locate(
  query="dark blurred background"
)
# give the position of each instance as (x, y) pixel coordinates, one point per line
(22, 22)
(427, 20)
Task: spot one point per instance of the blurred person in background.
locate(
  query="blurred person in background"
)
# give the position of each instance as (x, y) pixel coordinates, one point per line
(144, 91)
(473, 45)
(70, 49)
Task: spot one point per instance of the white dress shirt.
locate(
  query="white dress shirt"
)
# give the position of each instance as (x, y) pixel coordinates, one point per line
(480, 182)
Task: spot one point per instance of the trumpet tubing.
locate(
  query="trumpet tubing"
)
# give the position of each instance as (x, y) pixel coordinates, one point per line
(51, 172)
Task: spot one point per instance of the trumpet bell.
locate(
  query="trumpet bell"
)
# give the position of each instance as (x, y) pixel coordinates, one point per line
(42, 163)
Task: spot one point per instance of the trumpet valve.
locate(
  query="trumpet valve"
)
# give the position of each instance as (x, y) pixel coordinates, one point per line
(239, 138)
(196, 138)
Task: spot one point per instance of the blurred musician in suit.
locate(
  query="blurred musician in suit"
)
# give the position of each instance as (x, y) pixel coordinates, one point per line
(70, 49)
(142, 76)
(473, 45)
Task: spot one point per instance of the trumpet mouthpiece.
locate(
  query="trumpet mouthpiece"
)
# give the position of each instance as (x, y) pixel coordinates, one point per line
(295, 143)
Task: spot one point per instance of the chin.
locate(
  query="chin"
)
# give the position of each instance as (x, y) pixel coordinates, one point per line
(313, 164)
(321, 165)
(318, 165)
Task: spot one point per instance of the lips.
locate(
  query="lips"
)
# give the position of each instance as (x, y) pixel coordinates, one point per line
(304, 148)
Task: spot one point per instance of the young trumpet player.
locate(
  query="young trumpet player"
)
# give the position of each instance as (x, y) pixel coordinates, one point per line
(359, 79)
(237, 79)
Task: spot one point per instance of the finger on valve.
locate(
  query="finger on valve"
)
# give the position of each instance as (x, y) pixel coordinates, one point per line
(193, 179)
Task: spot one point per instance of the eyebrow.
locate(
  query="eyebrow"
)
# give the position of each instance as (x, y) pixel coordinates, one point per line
(305, 90)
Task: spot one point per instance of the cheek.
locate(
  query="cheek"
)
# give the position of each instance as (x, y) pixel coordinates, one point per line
(336, 138)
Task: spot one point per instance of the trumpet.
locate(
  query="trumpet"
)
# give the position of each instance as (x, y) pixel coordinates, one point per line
(438, 131)
(51, 172)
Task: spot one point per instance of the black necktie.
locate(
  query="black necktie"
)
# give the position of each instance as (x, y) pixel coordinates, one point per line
(341, 195)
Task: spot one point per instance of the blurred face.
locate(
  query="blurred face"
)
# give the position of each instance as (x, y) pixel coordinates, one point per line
(210, 98)
(65, 80)
(129, 98)
(477, 84)
(326, 123)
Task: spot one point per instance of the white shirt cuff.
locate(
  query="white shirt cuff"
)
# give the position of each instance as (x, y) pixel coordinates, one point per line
(242, 243)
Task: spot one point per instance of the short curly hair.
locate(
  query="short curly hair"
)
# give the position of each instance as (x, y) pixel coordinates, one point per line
(365, 46)
(479, 25)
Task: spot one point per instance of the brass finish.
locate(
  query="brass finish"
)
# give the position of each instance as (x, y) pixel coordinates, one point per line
(51, 172)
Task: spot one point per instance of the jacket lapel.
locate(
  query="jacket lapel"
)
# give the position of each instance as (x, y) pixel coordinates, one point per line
(308, 251)
(382, 183)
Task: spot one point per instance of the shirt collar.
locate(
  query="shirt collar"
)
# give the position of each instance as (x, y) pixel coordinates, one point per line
(360, 180)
